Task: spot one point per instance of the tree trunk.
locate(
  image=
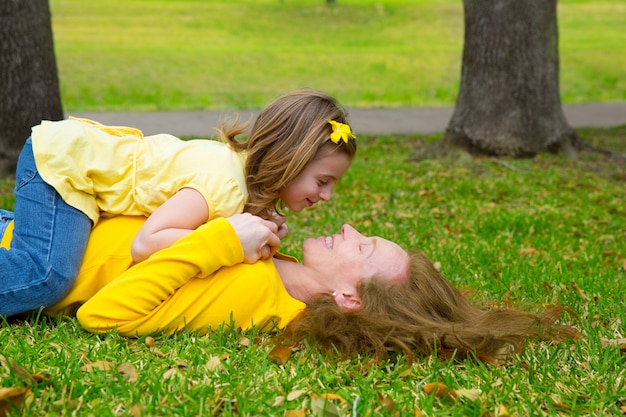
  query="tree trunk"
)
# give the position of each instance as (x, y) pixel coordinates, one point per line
(29, 81)
(509, 102)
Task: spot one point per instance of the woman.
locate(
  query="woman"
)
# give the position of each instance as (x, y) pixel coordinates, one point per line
(359, 294)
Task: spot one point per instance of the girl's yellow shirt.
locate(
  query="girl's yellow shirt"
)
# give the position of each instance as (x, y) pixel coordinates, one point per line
(107, 171)
(198, 283)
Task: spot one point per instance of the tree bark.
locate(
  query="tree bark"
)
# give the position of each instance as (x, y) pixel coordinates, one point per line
(29, 81)
(509, 101)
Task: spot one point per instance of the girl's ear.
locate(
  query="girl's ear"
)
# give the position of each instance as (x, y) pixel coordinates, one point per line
(347, 301)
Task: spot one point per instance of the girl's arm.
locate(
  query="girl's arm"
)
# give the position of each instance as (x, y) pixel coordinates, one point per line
(174, 219)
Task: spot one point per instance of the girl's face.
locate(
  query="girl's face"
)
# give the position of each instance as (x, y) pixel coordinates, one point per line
(316, 181)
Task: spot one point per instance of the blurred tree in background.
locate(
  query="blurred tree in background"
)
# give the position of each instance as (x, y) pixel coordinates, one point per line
(28, 75)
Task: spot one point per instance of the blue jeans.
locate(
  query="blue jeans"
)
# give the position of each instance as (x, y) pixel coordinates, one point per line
(49, 241)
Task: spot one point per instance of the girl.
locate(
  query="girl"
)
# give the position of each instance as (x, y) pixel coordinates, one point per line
(72, 172)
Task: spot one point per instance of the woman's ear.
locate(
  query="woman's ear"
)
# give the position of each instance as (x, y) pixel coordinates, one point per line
(347, 301)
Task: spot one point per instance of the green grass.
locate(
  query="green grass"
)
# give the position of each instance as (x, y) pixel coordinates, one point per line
(527, 232)
(240, 54)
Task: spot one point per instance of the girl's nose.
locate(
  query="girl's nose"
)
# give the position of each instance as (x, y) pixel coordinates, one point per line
(326, 195)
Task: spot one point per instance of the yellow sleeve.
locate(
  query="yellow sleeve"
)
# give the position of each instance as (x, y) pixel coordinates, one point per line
(7, 236)
(126, 302)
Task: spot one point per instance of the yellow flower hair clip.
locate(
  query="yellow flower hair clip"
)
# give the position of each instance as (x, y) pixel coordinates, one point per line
(340, 131)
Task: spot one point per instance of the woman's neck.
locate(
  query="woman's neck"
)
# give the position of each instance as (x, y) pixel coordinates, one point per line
(299, 281)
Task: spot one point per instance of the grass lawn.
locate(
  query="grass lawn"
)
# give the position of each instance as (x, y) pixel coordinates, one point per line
(240, 54)
(530, 233)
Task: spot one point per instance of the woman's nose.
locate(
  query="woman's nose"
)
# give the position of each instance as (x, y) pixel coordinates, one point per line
(347, 230)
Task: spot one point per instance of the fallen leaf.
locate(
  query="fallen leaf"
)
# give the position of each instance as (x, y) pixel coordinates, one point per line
(561, 406)
(295, 413)
(529, 252)
(11, 398)
(579, 291)
(388, 403)
(295, 394)
(135, 411)
(471, 394)
(331, 396)
(439, 390)
(170, 373)
(20, 372)
(612, 342)
(502, 411)
(321, 407)
(279, 401)
(280, 354)
(214, 364)
(128, 370)
(68, 404)
(149, 341)
(101, 365)
(157, 352)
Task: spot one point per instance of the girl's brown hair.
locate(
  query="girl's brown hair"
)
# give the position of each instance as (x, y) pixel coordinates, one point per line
(422, 315)
(286, 136)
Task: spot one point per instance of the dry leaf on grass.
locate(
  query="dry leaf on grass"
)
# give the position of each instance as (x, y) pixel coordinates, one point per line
(20, 372)
(439, 390)
(295, 394)
(529, 252)
(129, 371)
(613, 342)
(149, 341)
(442, 391)
(295, 413)
(471, 394)
(23, 374)
(579, 291)
(280, 354)
(502, 411)
(11, 398)
(278, 401)
(214, 364)
(322, 407)
(101, 365)
(331, 396)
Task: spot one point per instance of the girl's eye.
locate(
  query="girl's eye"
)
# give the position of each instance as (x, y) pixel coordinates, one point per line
(322, 183)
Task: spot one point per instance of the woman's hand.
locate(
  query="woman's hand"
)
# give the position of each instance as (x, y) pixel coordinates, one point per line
(280, 221)
(259, 238)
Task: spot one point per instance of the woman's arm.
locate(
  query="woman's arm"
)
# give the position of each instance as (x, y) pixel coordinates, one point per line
(129, 300)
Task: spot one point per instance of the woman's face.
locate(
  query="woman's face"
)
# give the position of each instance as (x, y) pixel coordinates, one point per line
(351, 257)
(316, 181)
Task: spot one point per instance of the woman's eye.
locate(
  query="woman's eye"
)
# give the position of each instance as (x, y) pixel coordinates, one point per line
(322, 183)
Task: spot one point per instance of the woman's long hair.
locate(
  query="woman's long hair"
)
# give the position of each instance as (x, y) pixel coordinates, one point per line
(287, 135)
(424, 315)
